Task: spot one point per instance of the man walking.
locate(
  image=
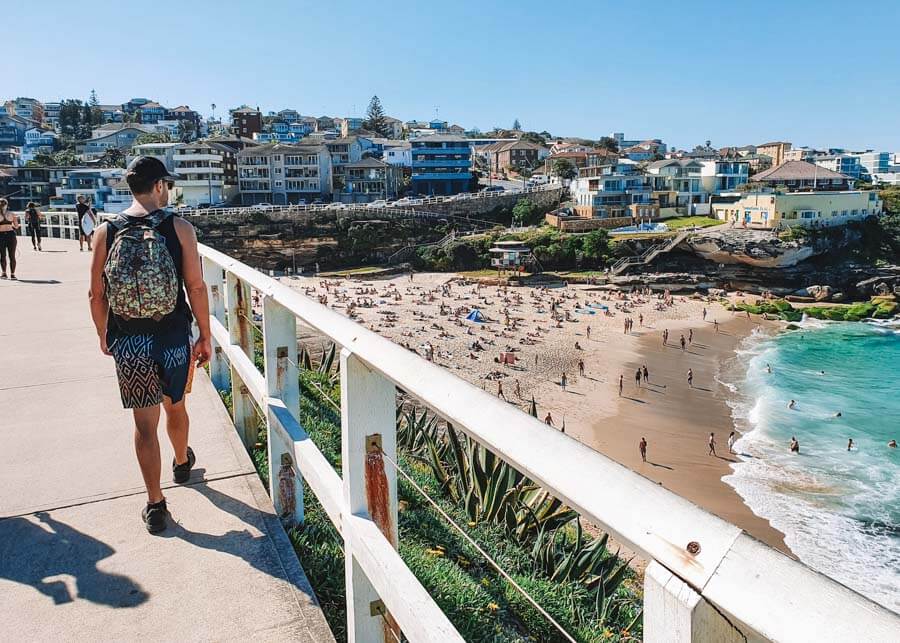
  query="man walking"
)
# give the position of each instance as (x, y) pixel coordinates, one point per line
(149, 337)
(83, 209)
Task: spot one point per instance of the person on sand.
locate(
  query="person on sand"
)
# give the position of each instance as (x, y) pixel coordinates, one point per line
(690, 378)
(588, 332)
(621, 384)
(500, 390)
(577, 346)
(549, 419)
(849, 444)
(704, 314)
(581, 367)
(646, 373)
(712, 444)
(637, 378)
(641, 320)
(795, 446)
(518, 389)
(642, 447)
(683, 343)
(731, 441)
(716, 324)
(563, 380)
(690, 336)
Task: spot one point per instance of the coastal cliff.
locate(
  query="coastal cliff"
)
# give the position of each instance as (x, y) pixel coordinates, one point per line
(764, 248)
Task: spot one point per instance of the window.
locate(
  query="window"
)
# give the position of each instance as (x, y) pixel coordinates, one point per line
(278, 184)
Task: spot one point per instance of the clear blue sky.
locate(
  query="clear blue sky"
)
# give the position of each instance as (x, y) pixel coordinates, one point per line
(818, 73)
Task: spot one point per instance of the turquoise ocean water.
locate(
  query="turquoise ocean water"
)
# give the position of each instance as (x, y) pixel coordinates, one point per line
(839, 510)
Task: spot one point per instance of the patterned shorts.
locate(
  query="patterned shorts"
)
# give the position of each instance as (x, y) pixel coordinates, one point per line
(150, 366)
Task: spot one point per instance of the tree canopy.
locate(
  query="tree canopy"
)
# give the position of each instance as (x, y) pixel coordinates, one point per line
(375, 118)
(564, 169)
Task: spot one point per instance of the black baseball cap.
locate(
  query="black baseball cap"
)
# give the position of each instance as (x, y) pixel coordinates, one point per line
(149, 169)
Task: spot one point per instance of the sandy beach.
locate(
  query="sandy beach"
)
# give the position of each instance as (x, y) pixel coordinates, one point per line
(529, 337)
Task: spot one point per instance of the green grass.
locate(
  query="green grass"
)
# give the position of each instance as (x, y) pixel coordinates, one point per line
(352, 271)
(677, 223)
(476, 599)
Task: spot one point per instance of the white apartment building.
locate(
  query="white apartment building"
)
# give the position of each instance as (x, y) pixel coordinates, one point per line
(724, 175)
(201, 171)
(282, 174)
(162, 151)
(677, 182)
(397, 153)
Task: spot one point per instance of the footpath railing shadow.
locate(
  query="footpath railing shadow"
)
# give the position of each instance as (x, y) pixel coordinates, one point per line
(32, 552)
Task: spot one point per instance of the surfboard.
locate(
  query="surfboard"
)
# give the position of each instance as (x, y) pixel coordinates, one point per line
(87, 225)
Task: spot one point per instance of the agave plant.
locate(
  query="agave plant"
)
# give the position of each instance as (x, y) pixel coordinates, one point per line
(325, 365)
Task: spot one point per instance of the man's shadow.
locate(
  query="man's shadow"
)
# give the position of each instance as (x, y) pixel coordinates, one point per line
(31, 552)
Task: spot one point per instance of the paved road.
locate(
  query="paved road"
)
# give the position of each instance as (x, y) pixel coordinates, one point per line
(76, 563)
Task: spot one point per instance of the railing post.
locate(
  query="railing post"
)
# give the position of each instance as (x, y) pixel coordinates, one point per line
(214, 277)
(280, 350)
(239, 309)
(368, 428)
(675, 613)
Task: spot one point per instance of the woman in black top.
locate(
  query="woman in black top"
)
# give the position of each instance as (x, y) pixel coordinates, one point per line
(9, 223)
(33, 217)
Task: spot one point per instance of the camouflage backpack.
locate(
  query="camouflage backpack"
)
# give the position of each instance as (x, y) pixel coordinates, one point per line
(140, 275)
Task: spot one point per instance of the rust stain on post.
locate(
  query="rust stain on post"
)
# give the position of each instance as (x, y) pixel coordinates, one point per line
(379, 503)
(243, 322)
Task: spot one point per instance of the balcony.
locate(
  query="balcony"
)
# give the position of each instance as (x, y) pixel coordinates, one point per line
(197, 157)
(442, 163)
(443, 176)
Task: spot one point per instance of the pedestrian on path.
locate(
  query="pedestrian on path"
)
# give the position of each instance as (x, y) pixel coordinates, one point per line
(33, 217)
(150, 338)
(84, 210)
(9, 223)
(690, 378)
(642, 447)
(621, 384)
(712, 444)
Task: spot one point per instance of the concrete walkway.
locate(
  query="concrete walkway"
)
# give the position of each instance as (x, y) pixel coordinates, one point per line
(76, 563)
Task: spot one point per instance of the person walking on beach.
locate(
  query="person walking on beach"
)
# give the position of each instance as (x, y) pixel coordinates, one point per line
(690, 336)
(518, 389)
(84, 209)
(637, 378)
(641, 320)
(665, 336)
(589, 333)
(621, 384)
(150, 339)
(33, 218)
(683, 342)
(690, 378)
(646, 373)
(500, 390)
(581, 367)
(712, 444)
(549, 419)
(642, 447)
(795, 446)
(716, 324)
(704, 313)
(563, 380)
(731, 440)
(9, 223)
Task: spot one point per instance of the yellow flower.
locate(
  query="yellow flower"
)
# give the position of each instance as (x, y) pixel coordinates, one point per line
(434, 552)
(607, 633)
(493, 607)
(471, 523)
(485, 582)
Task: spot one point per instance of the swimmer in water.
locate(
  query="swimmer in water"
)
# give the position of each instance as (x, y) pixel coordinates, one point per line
(892, 444)
(795, 446)
(792, 404)
(768, 368)
(849, 444)
(838, 414)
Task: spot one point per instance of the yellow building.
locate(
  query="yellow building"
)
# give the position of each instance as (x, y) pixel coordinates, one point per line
(811, 209)
(775, 150)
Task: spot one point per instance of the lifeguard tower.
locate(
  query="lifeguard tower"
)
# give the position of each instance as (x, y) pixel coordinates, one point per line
(512, 256)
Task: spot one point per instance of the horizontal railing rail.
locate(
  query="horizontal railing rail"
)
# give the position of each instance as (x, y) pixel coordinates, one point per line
(56, 225)
(707, 579)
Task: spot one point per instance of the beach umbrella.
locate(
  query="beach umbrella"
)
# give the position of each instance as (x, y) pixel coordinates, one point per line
(533, 409)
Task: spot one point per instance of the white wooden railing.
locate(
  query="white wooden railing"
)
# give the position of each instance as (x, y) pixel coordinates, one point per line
(707, 580)
(57, 225)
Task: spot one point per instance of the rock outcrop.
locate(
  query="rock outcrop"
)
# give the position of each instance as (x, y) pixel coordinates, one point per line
(759, 248)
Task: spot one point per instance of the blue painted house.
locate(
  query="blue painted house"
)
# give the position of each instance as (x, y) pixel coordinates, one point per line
(441, 165)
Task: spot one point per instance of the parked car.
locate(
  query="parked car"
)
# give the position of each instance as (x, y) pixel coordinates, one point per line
(380, 203)
(493, 188)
